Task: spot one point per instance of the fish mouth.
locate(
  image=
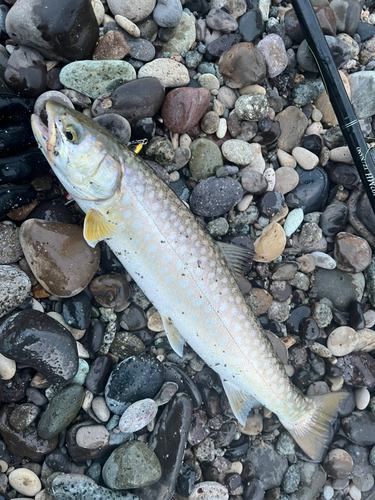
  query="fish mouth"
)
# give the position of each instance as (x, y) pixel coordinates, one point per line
(46, 135)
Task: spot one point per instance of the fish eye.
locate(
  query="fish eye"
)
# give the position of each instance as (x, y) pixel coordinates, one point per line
(73, 134)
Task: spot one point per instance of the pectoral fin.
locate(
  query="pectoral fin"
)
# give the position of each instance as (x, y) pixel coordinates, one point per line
(237, 258)
(175, 339)
(240, 402)
(96, 228)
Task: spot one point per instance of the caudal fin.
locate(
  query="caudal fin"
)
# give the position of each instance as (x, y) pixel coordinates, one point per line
(313, 430)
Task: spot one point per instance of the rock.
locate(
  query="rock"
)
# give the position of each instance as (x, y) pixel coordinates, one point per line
(270, 204)
(359, 427)
(294, 218)
(251, 25)
(312, 480)
(61, 411)
(117, 125)
(338, 286)
(92, 437)
(168, 442)
(205, 158)
(94, 78)
(293, 124)
(210, 122)
(24, 415)
(34, 338)
(252, 107)
(273, 49)
(362, 84)
(131, 465)
(218, 19)
(358, 369)
(80, 487)
(126, 344)
(213, 197)
(312, 190)
(241, 65)
(254, 182)
(77, 311)
(333, 219)
(209, 490)
(110, 290)
(15, 287)
(352, 253)
(209, 82)
(25, 481)
(135, 378)
(111, 46)
(305, 158)
(269, 466)
(170, 73)
(138, 415)
(26, 72)
(238, 151)
(56, 32)
(58, 256)
(184, 107)
(270, 244)
(167, 13)
(217, 47)
(182, 36)
(362, 398)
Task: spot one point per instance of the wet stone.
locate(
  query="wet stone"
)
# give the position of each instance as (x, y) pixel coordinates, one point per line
(77, 311)
(110, 290)
(270, 204)
(346, 175)
(312, 190)
(183, 108)
(138, 415)
(126, 344)
(359, 427)
(117, 125)
(15, 287)
(98, 374)
(213, 196)
(358, 369)
(352, 253)
(34, 338)
(217, 47)
(23, 415)
(334, 218)
(269, 466)
(58, 255)
(338, 286)
(241, 65)
(251, 25)
(173, 373)
(312, 143)
(135, 378)
(61, 411)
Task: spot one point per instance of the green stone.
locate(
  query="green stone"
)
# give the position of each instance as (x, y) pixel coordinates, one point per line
(126, 344)
(131, 465)
(83, 370)
(61, 411)
(94, 78)
(182, 36)
(205, 159)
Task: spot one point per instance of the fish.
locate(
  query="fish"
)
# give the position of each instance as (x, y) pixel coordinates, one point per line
(190, 278)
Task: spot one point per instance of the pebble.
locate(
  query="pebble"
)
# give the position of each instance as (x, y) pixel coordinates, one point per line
(92, 437)
(101, 409)
(238, 151)
(312, 190)
(218, 19)
(138, 415)
(252, 107)
(286, 179)
(241, 65)
(209, 82)
(26, 72)
(361, 86)
(362, 398)
(270, 244)
(209, 490)
(24, 415)
(293, 124)
(352, 253)
(213, 197)
(131, 465)
(117, 125)
(60, 271)
(25, 481)
(169, 72)
(111, 46)
(338, 464)
(10, 249)
(251, 25)
(285, 159)
(15, 287)
(358, 369)
(182, 36)
(273, 49)
(269, 466)
(167, 13)
(128, 25)
(183, 108)
(254, 182)
(293, 220)
(305, 158)
(110, 290)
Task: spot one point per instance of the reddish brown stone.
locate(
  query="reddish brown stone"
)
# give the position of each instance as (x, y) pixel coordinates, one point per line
(352, 253)
(111, 46)
(183, 108)
(241, 65)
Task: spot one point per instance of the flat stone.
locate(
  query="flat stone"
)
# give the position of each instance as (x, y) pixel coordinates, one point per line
(170, 73)
(238, 151)
(138, 415)
(92, 437)
(25, 481)
(293, 124)
(183, 108)
(182, 36)
(342, 340)
(241, 65)
(94, 78)
(270, 244)
(352, 253)
(58, 256)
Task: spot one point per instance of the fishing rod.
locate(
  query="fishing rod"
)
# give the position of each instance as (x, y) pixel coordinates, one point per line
(342, 107)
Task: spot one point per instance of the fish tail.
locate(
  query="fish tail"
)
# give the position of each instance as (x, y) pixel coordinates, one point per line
(313, 431)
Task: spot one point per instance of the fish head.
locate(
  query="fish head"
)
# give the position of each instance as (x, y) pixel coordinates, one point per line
(83, 154)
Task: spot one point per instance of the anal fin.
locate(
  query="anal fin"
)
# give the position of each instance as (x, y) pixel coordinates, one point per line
(96, 228)
(175, 339)
(240, 401)
(238, 259)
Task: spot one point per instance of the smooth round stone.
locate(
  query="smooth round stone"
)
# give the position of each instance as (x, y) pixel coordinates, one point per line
(135, 378)
(312, 190)
(61, 411)
(131, 465)
(111, 46)
(126, 344)
(15, 287)
(362, 398)
(209, 82)
(270, 243)
(83, 369)
(134, 100)
(205, 158)
(110, 290)
(183, 108)
(167, 13)
(323, 260)
(98, 374)
(359, 427)
(286, 179)
(241, 65)
(57, 33)
(338, 464)
(293, 220)
(252, 107)
(358, 369)
(293, 124)
(117, 125)
(77, 486)
(25, 482)
(128, 26)
(270, 204)
(305, 158)
(182, 36)
(134, 11)
(254, 182)
(138, 415)
(94, 78)
(100, 408)
(26, 72)
(210, 122)
(7, 367)
(342, 341)
(352, 253)
(58, 256)
(238, 151)
(92, 437)
(218, 19)
(340, 287)
(34, 338)
(209, 490)
(213, 197)
(273, 49)
(170, 73)
(77, 311)
(24, 415)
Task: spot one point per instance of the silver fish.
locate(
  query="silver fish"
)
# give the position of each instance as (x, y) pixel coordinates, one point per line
(181, 269)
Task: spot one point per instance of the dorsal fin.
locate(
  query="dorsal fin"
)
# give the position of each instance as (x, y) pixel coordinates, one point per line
(237, 258)
(96, 228)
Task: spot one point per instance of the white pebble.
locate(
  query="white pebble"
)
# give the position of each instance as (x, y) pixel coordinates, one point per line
(209, 490)
(209, 81)
(314, 128)
(323, 260)
(100, 408)
(369, 318)
(138, 415)
(355, 493)
(342, 340)
(7, 368)
(245, 202)
(128, 26)
(341, 154)
(99, 11)
(269, 175)
(362, 398)
(316, 115)
(222, 128)
(174, 176)
(92, 437)
(185, 140)
(82, 351)
(305, 158)
(87, 400)
(43, 495)
(285, 159)
(328, 492)
(25, 482)
(3, 466)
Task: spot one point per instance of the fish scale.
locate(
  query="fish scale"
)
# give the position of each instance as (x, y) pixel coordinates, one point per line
(181, 269)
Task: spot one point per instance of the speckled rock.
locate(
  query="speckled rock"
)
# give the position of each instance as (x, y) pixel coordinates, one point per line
(252, 107)
(10, 247)
(94, 78)
(273, 49)
(132, 10)
(58, 255)
(269, 466)
(111, 46)
(213, 196)
(138, 415)
(209, 490)
(205, 158)
(238, 151)
(170, 73)
(241, 65)
(182, 36)
(293, 124)
(15, 287)
(25, 481)
(352, 253)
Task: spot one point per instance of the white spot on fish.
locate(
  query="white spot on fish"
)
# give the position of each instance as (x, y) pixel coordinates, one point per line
(169, 279)
(127, 214)
(166, 258)
(126, 200)
(190, 293)
(137, 224)
(152, 248)
(147, 237)
(198, 302)
(180, 266)
(184, 283)
(210, 322)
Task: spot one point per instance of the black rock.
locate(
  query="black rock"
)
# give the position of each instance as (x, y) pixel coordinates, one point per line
(334, 218)
(356, 317)
(361, 214)
(26, 72)
(218, 47)
(173, 373)
(24, 166)
(213, 197)
(251, 25)
(268, 137)
(312, 190)
(59, 460)
(93, 338)
(35, 339)
(344, 174)
(359, 427)
(365, 31)
(199, 6)
(98, 374)
(52, 212)
(108, 260)
(77, 311)
(13, 390)
(308, 329)
(225, 435)
(338, 286)
(269, 466)
(270, 203)
(360, 456)
(144, 129)
(14, 108)
(313, 143)
(12, 197)
(135, 378)
(185, 480)
(133, 318)
(358, 369)
(16, 136)
(168, 441)
(254, 490)
(295, 318)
